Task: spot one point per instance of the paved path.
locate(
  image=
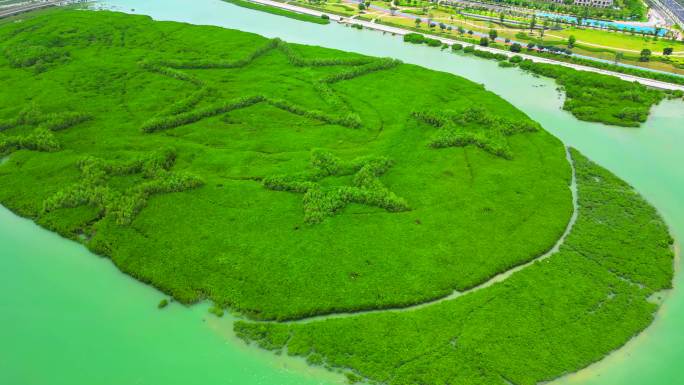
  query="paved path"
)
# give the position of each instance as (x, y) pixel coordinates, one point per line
(400, 31)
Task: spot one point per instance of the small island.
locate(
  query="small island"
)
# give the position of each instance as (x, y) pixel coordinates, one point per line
(405, 226)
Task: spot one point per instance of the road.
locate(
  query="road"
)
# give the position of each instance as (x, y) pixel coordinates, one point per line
(400, 31)
(674, 9)
(11, 11)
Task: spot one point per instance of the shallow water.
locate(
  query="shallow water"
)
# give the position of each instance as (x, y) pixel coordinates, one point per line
(69, 317)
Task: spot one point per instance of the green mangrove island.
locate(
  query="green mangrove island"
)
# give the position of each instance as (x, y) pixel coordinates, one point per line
(351, 210)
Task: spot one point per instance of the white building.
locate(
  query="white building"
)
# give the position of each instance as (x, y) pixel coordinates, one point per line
(590, 3)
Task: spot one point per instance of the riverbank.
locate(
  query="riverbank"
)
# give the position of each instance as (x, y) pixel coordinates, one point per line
(400, 31)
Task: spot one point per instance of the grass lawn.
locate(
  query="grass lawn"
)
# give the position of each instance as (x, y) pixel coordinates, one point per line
(618, 40)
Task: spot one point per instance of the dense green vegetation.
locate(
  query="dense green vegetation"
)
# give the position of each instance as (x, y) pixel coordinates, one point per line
(484, 130)
(600, 98)
(670, 78)
(270, 178)
(591, 96)
(285, 181)
(280, 11)
(416, 38)
(548, 319)
(320, 202)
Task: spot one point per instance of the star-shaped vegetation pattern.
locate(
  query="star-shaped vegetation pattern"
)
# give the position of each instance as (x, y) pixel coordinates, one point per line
(475, 126)
(95, 188)
(323, 201)
(185, 112)
(42, 137)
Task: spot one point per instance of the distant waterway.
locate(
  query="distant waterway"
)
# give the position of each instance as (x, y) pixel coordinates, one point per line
(69, 317)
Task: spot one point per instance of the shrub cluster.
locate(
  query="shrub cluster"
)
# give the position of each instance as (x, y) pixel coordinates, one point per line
(591, 96)
(298, 60)
(432, 42)
(170, 72)
(374, 66)
(486, 54)
(349, 119)
(61, 121)
(173, 121)
(495, 144)
(515, 59)
(327, 93)
(416, 38)
(475, 126)
(329, 96)
(93, 189)
(220, 64)
(186, 104)
(321, 202)
(179, 114)
(31, 115)
(41, 139)
(37, 56)
(600, 98)
(292, 56)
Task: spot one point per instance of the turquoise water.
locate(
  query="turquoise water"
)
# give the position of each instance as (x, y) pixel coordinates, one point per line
(605, 24)
(69, 317)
